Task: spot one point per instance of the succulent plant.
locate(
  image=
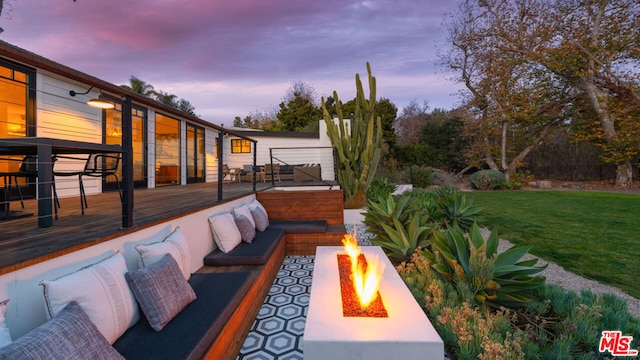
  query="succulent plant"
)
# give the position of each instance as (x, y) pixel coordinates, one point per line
(358, 143)
(477, 271)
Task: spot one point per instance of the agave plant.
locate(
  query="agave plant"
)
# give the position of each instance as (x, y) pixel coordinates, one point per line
(401, 240)
(383, 210)
(397, 225)
(455, 207)
(380, 187)
(477, 271)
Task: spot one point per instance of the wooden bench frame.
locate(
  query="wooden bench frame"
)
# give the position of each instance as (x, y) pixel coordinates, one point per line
(297, 205)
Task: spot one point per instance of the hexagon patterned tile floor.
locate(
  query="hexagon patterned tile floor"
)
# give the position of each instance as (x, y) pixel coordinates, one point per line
(277, 331)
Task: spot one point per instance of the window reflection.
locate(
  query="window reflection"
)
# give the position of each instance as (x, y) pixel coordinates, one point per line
(113, 135)
(17, 96)
(167, 150)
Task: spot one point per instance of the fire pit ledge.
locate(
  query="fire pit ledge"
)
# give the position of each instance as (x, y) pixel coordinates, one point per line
(406, 333)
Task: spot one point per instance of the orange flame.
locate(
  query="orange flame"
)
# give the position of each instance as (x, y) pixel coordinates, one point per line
(366, 281)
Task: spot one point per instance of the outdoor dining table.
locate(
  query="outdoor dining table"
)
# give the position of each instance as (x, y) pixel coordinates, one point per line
(44, 148)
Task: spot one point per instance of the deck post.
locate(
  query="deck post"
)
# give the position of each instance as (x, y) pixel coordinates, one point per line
(220, 160)
(255, 167)
(127, 164)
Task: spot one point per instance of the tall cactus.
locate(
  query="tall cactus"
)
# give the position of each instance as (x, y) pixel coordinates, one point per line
(358, 150)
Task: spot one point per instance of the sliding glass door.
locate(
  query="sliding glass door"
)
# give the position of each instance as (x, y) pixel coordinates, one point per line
(195, 154)
(112, 134)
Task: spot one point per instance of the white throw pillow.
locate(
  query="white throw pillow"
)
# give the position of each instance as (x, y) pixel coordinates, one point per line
(5, 337)
(102, 293)
(244, 211)
(225, 232)
(175, 245)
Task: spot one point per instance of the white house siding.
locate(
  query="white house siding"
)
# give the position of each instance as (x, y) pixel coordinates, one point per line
(61, 116)
(290, 150)
(264, 144)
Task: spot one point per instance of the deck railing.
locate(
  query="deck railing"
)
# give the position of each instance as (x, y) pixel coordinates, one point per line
(307, 156)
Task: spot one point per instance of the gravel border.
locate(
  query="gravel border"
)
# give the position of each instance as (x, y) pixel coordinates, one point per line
(555, 274)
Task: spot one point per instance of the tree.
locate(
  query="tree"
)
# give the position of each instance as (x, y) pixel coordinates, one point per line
(299, 107)
(383, 108)
(186, 107)
(167, 99)
(1, 7)
(513, 102)
(145, 89)
(387, 112)
(591, 46)
(264, 119)
(140, 87)
(298, 112)
(301, 89)
(247, 122)
(410, 122)
(443, 134)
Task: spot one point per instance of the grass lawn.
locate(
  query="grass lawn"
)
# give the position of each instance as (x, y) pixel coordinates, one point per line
(592, 234)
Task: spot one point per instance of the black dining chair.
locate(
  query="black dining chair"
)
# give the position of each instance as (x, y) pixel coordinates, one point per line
(96, 165)
(28, 169)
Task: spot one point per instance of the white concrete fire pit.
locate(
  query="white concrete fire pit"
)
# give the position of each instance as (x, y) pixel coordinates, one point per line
(405, 334)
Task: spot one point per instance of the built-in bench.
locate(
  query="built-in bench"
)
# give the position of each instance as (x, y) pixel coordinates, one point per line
(229, 294)
(287, 206)
(258, 252)
(190, 334)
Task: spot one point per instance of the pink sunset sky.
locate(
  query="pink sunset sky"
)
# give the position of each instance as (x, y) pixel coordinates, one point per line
(232, 57)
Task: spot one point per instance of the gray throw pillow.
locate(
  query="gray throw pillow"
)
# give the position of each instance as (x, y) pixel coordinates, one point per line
(161, 291)
(260, 218)
(70, 335)
(247, 231)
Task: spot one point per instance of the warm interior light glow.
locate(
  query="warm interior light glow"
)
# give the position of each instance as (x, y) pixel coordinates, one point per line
(366, 279)
(101, 104)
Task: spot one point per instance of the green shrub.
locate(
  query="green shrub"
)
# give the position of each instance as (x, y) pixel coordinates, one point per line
(440, 179)
(556, 324)
(513, 185)
(380, 187)
(468, 331)
(522, 176)
(420, 177)
(488, 180)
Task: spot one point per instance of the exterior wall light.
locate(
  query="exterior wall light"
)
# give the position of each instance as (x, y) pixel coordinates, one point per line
(99, 102)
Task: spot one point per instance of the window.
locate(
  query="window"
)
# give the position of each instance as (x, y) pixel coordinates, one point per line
(167, 150)
(17, 110)
(112, 132)
(240, 146)
(17, 100)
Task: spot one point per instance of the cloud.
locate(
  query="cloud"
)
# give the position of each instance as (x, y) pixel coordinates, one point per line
(251, 50)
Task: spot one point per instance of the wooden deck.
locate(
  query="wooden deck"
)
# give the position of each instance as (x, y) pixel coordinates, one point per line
(23, 243)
